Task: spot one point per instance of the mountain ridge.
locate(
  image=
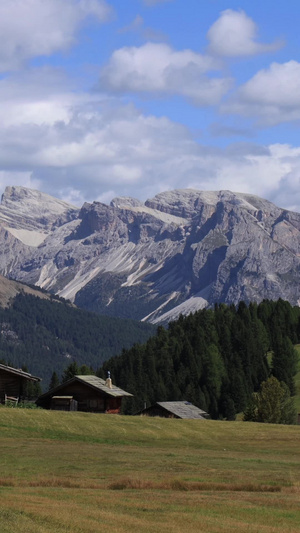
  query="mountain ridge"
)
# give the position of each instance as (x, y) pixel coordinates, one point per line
(175, 253)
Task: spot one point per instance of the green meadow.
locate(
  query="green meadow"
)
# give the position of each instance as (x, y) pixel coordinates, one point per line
(85, 473)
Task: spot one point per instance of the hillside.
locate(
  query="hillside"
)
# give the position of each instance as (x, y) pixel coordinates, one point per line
(46, 335)
(9, 289)
(81, 473)
(178, 252)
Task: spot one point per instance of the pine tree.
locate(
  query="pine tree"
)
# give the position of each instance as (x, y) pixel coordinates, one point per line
(54, 381)
(71, 371)
(284, 361)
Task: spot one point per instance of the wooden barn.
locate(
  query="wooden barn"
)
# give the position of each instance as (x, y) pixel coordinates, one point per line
(84, 393)
(179, 409)
(13, 383)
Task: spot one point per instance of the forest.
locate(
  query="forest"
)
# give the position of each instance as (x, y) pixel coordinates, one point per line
(46, 335)
(214, 358)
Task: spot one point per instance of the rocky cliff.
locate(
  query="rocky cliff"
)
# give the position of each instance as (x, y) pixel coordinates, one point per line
(178, 252)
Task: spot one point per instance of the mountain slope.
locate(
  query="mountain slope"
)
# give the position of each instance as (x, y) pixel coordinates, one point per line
(46, 335)
(181, 251)
(9, 289)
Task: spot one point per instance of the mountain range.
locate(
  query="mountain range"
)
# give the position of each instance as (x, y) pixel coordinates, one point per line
(181, 251)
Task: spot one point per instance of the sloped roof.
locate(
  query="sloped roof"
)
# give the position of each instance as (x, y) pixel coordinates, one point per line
(19, 372)
(91, 381)
(100, 384)
(183, 409)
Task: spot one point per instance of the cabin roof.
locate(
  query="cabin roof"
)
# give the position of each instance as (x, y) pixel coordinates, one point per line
(19, 372)
(100, 384)
(91, 381)
(182, 409)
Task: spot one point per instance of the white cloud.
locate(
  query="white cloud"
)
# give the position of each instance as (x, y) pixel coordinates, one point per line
(272, 95)
(30, 28)
(97, 149)
(234, 34)
(38, 96)
(157, 68)
(81, 148)
(85, 147)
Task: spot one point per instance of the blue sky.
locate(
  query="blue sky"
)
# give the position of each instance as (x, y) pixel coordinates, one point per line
(106, 98)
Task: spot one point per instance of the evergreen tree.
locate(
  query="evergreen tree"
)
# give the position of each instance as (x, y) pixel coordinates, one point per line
(54, 381)
(71, 371)
(284, 361)
(272, 404)
(32, 390)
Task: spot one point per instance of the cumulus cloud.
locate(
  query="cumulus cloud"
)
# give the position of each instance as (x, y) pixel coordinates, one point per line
(81, 148)
(234, 34)
(272, 95)
(30, 28)
(157, 68)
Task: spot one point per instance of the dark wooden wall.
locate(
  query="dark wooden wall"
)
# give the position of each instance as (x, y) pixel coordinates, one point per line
(11, 385)
(89, 400)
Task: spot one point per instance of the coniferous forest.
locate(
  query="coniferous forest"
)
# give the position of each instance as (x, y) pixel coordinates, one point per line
(214, 358)
(47, 335)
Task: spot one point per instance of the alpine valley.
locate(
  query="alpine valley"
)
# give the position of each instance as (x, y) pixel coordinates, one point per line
(179, 252)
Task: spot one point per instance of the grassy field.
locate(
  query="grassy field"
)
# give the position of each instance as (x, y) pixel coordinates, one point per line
(86, 473)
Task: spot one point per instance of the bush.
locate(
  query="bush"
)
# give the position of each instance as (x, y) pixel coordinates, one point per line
(272, 404)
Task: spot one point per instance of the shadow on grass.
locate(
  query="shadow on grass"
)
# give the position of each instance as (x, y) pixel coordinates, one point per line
(143, 484)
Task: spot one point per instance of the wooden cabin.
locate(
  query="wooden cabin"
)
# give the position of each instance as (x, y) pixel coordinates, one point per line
(84, 393)
(178, 409)
(13, 383)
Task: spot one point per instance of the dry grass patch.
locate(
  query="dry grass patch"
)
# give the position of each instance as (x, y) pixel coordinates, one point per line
(180, 485)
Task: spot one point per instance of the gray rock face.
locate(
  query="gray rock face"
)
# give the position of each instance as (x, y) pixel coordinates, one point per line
(179, 252)
(27, 209)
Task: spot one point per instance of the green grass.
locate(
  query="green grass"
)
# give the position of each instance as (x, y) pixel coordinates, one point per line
(85, 473)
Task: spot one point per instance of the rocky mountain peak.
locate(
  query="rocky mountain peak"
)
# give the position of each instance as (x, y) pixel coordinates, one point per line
(125, 201)
(175, 253)
(23, 208)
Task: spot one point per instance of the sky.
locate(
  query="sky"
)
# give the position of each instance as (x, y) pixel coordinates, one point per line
(108, 98)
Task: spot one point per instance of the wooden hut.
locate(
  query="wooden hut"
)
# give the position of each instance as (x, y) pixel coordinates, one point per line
(178, 409)
(13, 383)
(84, 393)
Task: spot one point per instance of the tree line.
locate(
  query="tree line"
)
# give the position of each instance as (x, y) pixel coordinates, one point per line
(215, 359)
